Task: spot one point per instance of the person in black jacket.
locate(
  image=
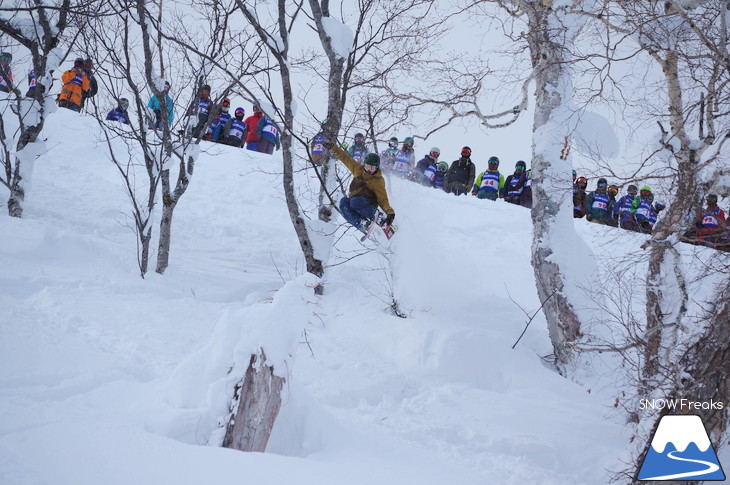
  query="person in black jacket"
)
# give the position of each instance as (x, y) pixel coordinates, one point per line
(93, 85)
(515, 183)
(461, 174)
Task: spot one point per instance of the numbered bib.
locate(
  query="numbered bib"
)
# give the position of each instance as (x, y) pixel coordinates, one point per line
(401, 167)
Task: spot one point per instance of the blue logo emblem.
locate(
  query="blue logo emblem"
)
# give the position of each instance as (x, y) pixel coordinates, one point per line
(681, 450)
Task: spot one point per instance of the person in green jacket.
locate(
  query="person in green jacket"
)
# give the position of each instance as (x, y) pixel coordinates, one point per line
(599, 205)
(490, 183)
(367, 189)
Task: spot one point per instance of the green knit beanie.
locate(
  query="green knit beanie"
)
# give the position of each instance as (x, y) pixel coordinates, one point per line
(372, 159)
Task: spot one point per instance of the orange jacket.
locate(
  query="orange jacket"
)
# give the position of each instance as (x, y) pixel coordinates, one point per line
(74, 83)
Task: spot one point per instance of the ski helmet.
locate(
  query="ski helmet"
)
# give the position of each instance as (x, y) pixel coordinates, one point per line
(359, 138)
(466, 152)
(408, 141)
(393, 142)
(79, 62)
(602, 182)
(435, 152)
(493, 162)
(521, 165)
(442, 167)
(575, 174)
(239, 113)
(123, 104)
(613, 190)
(581, 182)
(712, 200)
(6, 57)
(167, 86)
(632, 190)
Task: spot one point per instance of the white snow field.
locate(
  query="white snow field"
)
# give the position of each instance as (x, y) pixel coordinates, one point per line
(108, 378)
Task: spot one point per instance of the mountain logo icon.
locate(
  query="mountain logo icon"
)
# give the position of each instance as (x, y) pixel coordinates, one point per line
(681, 450)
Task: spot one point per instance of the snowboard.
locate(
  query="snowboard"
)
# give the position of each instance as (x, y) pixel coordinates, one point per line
(389, 230)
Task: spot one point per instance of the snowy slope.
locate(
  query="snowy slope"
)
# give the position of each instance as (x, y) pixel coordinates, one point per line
(108, 378)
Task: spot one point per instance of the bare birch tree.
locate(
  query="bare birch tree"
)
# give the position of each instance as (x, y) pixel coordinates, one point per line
(39, 28)
(687, 41)
(388, 39)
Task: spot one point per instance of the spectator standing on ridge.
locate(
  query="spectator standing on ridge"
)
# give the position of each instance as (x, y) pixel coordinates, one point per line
(155, 120)
(252, 127)
(32, 85)
(234, 131)
(460, 176)
(221, 118)
(6, 72)
(644, 212)
(75, 82)
(710, 223)
(358, 149)
(490, 183)
(425, 171)
(387, 156)
(622, 211)
(579, 197)
(316, 146)
(441, 169)
(93, 86)
(120, 112)
(405, 159)
(526, 197)
(268, 136)
(515, 183)
(200, 109)
(598, 204)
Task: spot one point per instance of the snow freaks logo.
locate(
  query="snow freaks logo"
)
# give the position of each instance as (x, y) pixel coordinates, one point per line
(681, 450)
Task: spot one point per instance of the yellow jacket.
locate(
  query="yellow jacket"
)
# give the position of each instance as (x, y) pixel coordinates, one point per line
(370, 186)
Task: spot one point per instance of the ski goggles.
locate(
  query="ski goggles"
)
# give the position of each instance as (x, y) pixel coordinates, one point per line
(466, 152)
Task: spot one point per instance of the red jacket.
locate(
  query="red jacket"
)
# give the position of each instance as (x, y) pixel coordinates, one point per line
(252, 124)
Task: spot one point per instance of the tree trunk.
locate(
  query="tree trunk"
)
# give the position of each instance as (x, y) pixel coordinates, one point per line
(255, 405)
(328, 187)
(664, 316)
(17, 194)
(144, 251)
(551, 178)
(163, 247)
(336, 96)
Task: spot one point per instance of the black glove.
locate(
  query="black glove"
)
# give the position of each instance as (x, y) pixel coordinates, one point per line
(389, 219)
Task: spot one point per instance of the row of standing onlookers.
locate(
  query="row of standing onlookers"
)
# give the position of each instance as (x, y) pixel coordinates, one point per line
(257, 132)
(635, 211)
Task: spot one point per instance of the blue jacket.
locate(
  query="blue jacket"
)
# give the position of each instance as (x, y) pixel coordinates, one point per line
(623, 207)
(118, 114)
(154, 104)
